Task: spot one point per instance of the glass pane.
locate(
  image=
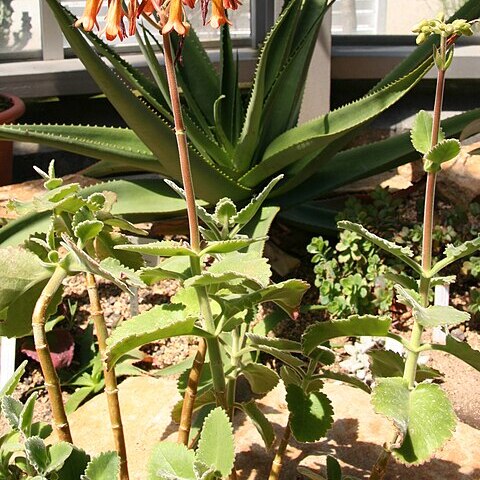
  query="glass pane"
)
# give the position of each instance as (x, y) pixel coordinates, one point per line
(385, 17)
(20, 35)
(239, 18)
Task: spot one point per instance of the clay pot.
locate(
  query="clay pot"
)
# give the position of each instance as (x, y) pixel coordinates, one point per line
(10, 115)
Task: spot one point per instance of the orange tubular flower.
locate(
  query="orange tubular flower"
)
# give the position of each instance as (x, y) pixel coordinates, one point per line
(89, 18)
(218, 14)
(231, 4)
(114, 25)
(189, 3)
(175, 19)
(132, 16)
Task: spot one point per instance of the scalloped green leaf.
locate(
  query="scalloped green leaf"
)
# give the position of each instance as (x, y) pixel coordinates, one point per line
(59, 452)
(454, 253)
(228, 246)
(311, 415)
(260, 421)
(221, 280)
(164, 248)
(405, 254)
(20, 270)
(423, 416)
(442, 152)
(88, 264)
(104, 467)
(173, 267)
(11, 410)
(248, 264)
(421, 134)
(216, 444)
(385, 363)
(461, 350)
(26, 415)
(261, 378)
(128, 275)
(170, 461)
(249, 211)
(37, 454)
(162, 321)
(287, 295)
(279, 343)
(433, 316)
(353, 326)
(88, 229)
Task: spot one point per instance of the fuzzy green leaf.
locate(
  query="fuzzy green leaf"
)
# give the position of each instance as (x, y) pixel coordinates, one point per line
(424, 416)
(248, 264)
(421, 133)
(216, 445)
(261, 378)
(173, 267)
(434, 315)
(162, 321)
(88, 229)
(37, 454)
(262, 424)
(452, 254)
(279, 343)
(220, 280)
(11, 410)
(405, 254)
(461, 350)
(442, 152)
(20, 270)
(353, 326)
(26, 416)
(227, 246)
(311, 415)
(59, 452)
(104, 467)
(287, 295)
(164, 248)
(171, 461)
(12, 382)
(88, 264)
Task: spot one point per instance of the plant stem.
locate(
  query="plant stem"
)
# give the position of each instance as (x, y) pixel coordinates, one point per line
(428, 218)
(191, 393)
(277, 463)
(111, 389)
(216, 363)
(60, 422)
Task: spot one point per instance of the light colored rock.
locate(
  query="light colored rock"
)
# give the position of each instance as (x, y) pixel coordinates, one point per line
(459, 180)
(355, 439)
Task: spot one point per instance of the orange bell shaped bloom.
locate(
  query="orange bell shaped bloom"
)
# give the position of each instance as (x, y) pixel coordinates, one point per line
(114, 27)
(218, 14)
(175, 19)
(89, 18)
(132, 16)
(231, 4)
(189, 3)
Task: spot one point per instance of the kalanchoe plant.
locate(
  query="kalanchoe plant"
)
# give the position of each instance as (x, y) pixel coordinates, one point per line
(235, 151)
(421, 412)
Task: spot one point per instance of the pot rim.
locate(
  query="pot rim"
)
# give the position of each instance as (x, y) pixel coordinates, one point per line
(14, 112)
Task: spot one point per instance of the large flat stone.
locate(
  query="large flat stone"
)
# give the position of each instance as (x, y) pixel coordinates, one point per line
(355, 439)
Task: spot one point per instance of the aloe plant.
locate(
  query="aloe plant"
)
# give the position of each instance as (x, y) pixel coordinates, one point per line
(234, 151)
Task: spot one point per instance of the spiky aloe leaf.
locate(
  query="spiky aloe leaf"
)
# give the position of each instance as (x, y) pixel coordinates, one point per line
(121, 146)
(300, 146)
(361, 162)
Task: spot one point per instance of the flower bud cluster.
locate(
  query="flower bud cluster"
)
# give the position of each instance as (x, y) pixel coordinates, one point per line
(438, 26)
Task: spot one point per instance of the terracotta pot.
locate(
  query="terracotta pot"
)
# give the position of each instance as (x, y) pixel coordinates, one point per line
(10, 115)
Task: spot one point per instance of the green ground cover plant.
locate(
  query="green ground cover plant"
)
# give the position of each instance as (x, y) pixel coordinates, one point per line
(224, 277)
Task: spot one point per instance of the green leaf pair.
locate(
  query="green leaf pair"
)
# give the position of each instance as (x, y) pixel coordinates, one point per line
(212, 460)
